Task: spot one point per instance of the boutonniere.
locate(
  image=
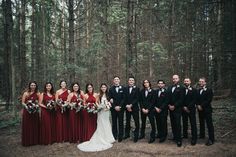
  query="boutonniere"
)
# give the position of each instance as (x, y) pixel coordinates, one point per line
(190, 88)
(134, 86)
(178, 86)
(120, 87)
(162, 90)
(149, 90)
(204, 88)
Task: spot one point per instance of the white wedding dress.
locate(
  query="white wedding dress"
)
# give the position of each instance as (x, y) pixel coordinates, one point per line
(102, 138)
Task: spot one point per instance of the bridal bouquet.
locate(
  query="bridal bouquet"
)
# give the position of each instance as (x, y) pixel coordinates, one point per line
(105, 105)
(51, 105)
(32, 106)
(78, 105)
(93, 108)
(62, 104)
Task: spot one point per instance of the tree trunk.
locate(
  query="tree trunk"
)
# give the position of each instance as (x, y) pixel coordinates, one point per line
(71, 41)
(22, 46)
(33, 44)
(8, 55)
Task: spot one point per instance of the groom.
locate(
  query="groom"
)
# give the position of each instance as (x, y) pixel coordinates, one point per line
(132, 108)
(116, 95)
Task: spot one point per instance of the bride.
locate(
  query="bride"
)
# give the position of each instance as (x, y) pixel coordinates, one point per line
(102, 138)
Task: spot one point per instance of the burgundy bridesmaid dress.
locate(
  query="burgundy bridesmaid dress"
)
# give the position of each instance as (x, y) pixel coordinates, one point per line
(89, 120)
(48, 123)
(75, 126)
(62, 121)
(30, 124)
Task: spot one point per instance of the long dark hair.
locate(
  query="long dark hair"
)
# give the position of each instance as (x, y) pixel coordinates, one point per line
(101, 93)
(29, 89)
(45, 89)
(88, 84)
(148, 82)
(72, 85)
(61, 82)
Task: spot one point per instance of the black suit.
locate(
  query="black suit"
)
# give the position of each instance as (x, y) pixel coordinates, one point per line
(190, 98)
(147, 102)
(117, 116)
(161, 102)
(176, 99)
(132, 98)
(204, 100)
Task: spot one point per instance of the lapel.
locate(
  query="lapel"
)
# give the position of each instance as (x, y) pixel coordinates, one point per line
(149, 93)
(172, 88)
(162, 92)
(114, 88)
(189, 91)
(204, 91)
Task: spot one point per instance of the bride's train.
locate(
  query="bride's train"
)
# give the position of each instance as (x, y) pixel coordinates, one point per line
(102, 138)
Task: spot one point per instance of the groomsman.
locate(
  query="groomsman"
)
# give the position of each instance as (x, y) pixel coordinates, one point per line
(147, 98)
(116, 95)
(189, 110)
(176, 96)
(204, 98)
(132, 108)
(161, 110)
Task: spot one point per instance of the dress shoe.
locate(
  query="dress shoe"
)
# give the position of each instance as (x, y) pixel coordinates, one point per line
(135, 140)
(193, 142)
(179, 144)
(141, 136)
(126, 136)
(119, 139)
(209, 142)
(162, 140)
(151, 140)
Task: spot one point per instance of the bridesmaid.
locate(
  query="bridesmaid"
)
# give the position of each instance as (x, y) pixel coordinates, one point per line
(48, 116)
(30, 121)
(62, 117)
(75, 126)
(89, 119)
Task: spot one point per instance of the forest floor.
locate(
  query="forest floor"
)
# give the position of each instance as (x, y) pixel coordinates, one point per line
(224, 121)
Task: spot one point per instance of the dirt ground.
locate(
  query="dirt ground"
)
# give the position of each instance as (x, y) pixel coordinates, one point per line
(224, 121)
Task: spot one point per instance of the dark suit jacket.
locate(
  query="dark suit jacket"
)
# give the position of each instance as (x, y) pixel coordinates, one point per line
(190, 99)
(147, 102)
(205, 99)
(177, 97)
(162, 101)
(118, 98)
(132, 98)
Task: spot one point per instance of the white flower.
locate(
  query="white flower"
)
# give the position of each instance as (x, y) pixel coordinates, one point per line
(120, 87)
(204, 88)
(190, 88)
(162, 90)
(178, 86)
